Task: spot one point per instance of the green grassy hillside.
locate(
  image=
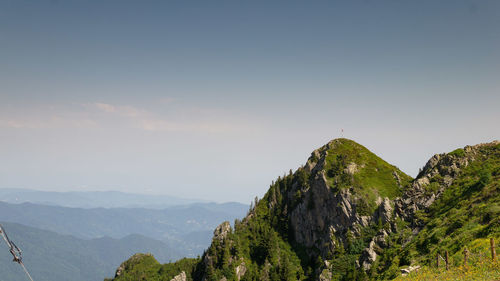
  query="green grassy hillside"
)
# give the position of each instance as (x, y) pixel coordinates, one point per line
(465, 214)
(349, 164)
(146, 267)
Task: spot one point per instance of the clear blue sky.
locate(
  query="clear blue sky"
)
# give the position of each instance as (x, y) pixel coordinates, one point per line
(215, 99)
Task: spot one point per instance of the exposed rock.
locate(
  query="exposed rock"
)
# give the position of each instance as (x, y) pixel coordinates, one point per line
(220, 233)
(384, 211)
(240, 271)
(180, 277)
(326, 223)
(332, 213)
(326, 275)
(406, 271)
(368, 256)
(444, 166)
(352, 168)
(398, 179)
(119, 270)
(312, 161)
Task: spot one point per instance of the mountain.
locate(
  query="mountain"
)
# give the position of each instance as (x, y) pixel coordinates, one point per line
(187, 229)
(92, 199)
(349, 215)
(53, 257)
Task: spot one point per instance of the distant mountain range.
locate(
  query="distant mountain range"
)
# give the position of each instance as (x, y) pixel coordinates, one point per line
(50, 256)
(186, 228)
(93, 199)
(80, 242)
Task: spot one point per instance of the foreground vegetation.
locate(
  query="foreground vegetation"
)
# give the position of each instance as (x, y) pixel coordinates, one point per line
(479, 266)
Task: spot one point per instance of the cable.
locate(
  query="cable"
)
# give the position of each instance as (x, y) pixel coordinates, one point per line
(25, 270)
(14, 250)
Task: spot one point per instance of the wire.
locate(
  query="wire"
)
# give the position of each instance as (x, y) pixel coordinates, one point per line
(25, 270)
(14, 250)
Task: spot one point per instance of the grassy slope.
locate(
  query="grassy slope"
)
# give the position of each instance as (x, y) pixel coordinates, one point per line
(146, 267)
(479, 266)
(372, 173)
(465, 215)
(373, 178)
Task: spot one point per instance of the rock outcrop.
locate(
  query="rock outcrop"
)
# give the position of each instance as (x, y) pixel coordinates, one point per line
(333, 214)
(441, 170)
(180, 277)
(240, 271)
(220, 233)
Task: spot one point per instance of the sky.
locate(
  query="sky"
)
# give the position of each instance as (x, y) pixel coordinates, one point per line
(215, 99)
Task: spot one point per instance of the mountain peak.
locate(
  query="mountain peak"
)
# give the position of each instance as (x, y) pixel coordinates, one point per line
(346, 163)
(339, 143)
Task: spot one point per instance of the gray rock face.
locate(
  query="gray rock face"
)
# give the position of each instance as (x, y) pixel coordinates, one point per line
(368, 256)
(333, 214)
(180, 277)
(380, 239)
(240, 271)
(220, 233)
(384, 212)
(444, 166)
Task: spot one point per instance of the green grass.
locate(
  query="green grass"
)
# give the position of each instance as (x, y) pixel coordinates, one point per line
(465, 215)
(468, 209)
(146, 267)
(459, 152)
(479, 266)
(373, 178)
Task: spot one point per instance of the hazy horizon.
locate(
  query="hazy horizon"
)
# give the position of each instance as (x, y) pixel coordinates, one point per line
(159, 192)
(214, 100)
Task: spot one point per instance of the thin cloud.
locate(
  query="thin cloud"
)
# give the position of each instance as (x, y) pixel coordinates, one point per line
(106, 115)
(158, 125)
(192, 119)
(105, 107)
(41, 122)
(123, 110)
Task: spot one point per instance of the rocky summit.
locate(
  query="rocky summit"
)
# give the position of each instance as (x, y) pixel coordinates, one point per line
(349, 215)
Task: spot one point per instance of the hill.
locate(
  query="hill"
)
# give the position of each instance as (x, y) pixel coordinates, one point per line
(92, 199)
(53, 257)
(187, 229)
(349, 215)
